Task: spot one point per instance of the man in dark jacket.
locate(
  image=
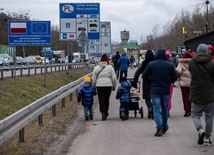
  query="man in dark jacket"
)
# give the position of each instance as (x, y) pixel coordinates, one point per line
(162, 74)
(123, 62)
(202, 92)
(116, 66)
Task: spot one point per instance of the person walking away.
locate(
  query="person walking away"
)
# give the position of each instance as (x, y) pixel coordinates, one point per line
(211, 50)
(132, 60)
(123, 62)
(104, 79)
(85, 94)
(162, 74)
(184, 81)
(123, 93)
(149, 56)
(201, 68)
(169, 107)
(116, 66)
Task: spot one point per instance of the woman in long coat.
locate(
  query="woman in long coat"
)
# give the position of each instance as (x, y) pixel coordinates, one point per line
(146, 82)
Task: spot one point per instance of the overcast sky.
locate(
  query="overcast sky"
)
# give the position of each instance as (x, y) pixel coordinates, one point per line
(136, 16)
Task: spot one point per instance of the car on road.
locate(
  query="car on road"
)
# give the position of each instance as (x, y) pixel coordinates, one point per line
(19, 60)
(43, 60)
(1, 61)
(28, 61)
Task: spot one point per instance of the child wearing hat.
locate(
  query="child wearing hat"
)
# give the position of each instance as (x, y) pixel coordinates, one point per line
(123, 93)
(85, 94)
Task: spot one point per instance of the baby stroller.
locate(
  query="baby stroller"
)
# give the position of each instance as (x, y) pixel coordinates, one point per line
(135, 97)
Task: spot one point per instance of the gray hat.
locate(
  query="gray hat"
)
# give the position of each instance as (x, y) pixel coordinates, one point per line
(202, 49)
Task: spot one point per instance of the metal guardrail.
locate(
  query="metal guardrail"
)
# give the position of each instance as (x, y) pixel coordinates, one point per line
(15, 71)
(18, 120)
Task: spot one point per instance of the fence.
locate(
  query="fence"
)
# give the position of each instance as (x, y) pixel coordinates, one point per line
(18, 120)
(14, 71)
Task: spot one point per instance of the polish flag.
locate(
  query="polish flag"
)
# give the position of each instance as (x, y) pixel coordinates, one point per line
(18, 28)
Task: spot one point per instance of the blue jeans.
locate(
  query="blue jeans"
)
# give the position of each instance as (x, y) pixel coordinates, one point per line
(197, 111)
(88, 109)
(124, 107)
(160, 111)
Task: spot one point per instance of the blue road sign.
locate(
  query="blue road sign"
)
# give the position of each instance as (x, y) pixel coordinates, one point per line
(75, 17)
(29, 33)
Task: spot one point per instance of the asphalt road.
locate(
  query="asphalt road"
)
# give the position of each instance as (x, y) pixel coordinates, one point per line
(136, 135)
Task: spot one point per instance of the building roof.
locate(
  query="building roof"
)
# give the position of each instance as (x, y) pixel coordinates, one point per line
(131, 45)
(193, 43)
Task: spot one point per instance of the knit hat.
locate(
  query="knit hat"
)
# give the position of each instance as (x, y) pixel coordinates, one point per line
(210, 47)
(168, 54)
(123, 79)
(193, 53)
(104, 57)
(86, 78)
(187, 55)
(202, 49)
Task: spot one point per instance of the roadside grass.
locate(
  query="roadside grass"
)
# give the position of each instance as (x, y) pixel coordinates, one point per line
(20, 92)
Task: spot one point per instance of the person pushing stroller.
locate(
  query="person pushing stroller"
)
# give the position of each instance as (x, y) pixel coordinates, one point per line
(123, 93)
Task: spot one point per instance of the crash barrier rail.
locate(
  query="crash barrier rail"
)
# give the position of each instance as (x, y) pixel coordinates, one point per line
(17, 121)
(14, 71)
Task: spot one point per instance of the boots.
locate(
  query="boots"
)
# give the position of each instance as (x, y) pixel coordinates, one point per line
(159, 133)
(103, 116)
(187, 113)
(86, 118)
(150, 113)
(91, 116)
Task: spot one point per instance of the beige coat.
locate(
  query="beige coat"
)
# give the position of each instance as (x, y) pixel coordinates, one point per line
(106, 78)
(182, 70)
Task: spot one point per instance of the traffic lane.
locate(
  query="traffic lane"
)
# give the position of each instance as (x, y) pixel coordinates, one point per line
(136, 135)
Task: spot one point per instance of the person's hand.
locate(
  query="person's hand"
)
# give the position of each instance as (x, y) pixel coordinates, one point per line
(113, 89)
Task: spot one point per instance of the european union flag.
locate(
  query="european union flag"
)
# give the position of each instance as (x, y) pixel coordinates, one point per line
(39, 28)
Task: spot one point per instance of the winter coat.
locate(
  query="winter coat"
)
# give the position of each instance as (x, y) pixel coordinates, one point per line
(115, 59)
(183, 72)
(86, 94)
(123, 92)
(201, 68)
(162, 74)
(106, 78)
(123, 62)
(146, 81)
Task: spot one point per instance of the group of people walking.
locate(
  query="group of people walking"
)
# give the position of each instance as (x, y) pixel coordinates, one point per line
(195, 75)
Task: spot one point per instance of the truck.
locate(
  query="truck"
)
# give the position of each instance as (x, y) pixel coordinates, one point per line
(79, 57)
(59, 56)
(47, 51)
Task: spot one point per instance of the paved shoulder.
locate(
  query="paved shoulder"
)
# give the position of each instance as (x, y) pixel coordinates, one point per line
(136, 135)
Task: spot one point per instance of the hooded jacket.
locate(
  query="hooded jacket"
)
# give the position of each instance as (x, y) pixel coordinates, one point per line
(123, 92)
(183, 72)
(161, 72)
(86, 94)
(146, 81)
(123, 62)
(202, 79)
